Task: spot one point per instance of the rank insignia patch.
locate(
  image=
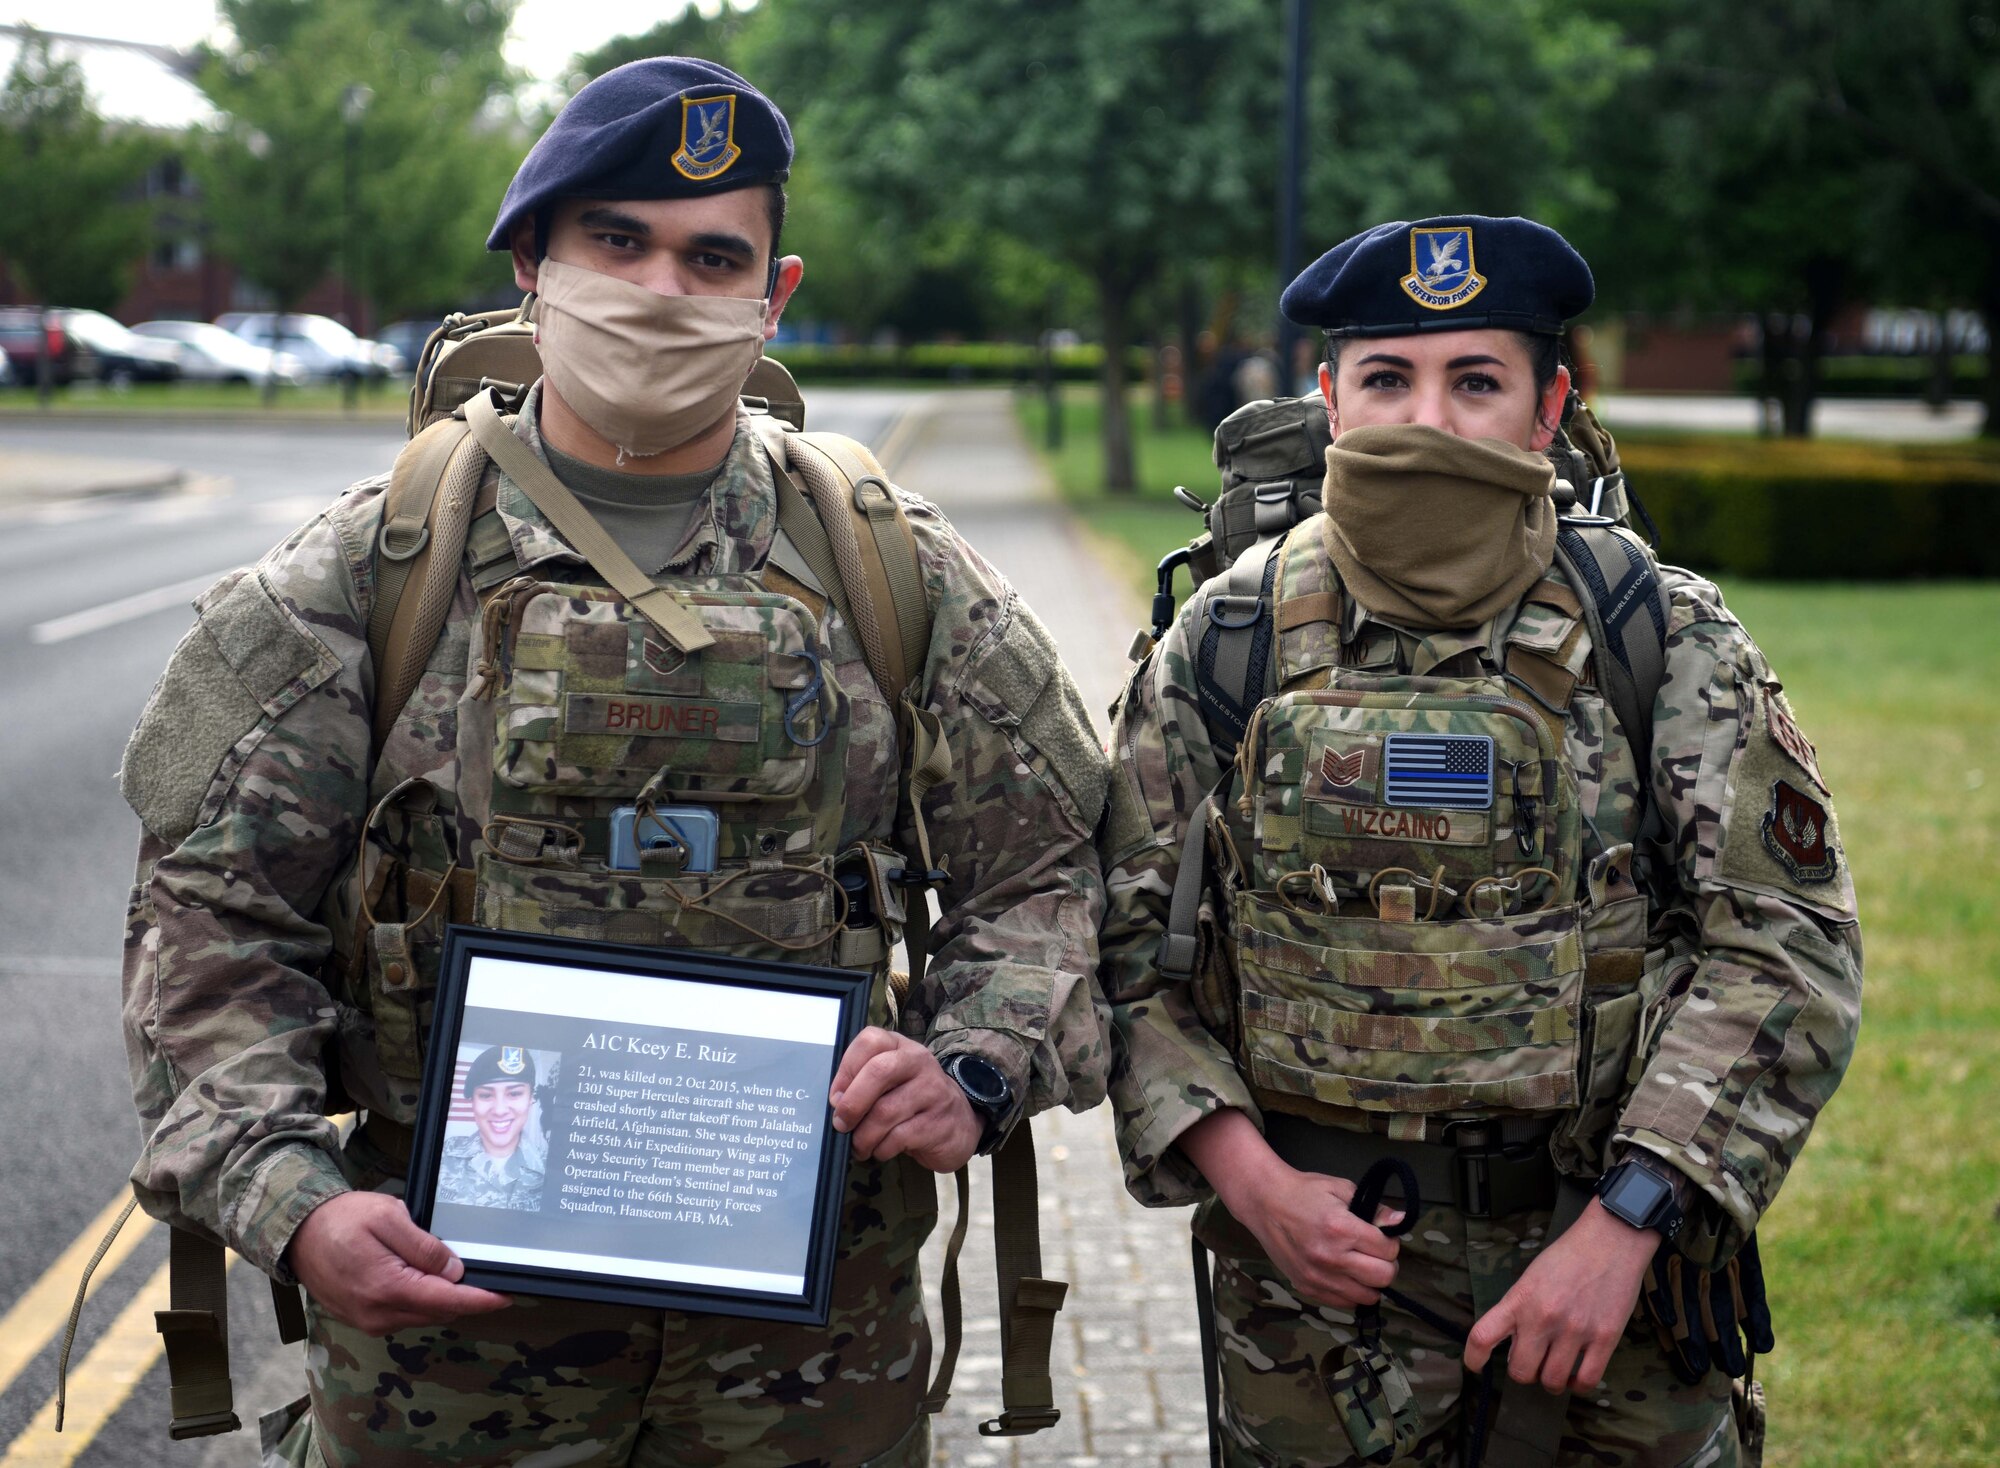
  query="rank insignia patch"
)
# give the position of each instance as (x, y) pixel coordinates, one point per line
(1795, 833)
(511, 1060)
(1442, 274)
(1342, 770)
(708, 137)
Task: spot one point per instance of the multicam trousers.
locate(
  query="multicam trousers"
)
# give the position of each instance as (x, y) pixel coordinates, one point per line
(1276, 1412)
(556, 1382)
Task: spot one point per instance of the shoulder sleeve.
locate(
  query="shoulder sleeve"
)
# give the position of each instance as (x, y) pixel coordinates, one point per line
(1168, 1069)
(1756, 1029)
(1015, 947)
(249, 771)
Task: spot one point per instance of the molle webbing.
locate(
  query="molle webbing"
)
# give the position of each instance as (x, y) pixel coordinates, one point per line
(1233, 660)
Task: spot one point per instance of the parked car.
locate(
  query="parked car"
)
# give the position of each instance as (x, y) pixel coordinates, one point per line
(408, 338)
(20, 341)
(323, 347)
(122, 354)
(210, 354)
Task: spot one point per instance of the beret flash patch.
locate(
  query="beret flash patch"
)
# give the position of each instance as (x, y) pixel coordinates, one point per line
(1795, 832)
(708, 137)
(1441, 270)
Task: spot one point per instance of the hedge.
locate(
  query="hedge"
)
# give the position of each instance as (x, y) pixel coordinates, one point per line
(1808, 510)
(947, 362)
(1875, 377)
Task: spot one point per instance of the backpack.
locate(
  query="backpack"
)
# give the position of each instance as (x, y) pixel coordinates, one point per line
(1272, 459)
(838, 511)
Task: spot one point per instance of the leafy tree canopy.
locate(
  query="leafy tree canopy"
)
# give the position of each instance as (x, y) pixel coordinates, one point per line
(407, 87)
(72, 225)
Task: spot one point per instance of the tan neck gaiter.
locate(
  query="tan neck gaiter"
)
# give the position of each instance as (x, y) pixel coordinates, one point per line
(647, 372)
(1436, 531)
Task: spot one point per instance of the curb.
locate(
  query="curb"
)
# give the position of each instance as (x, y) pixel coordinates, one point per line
(131, 418)
(53, 478)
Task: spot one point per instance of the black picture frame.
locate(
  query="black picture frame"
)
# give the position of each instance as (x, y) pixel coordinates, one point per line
(678, 1172)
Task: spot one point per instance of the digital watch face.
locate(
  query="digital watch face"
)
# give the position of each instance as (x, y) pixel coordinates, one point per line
(1637, 1196)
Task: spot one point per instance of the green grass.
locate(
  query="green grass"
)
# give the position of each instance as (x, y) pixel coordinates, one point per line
(1883, 1251)
(387, 400)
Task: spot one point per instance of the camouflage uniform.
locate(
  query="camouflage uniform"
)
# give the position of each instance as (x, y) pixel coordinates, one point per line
(467, 1175)
(259, 1000)
(1715, 1054)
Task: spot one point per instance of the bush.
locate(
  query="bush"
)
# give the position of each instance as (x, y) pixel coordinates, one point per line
(1876, 377)
(946, 362)
(1808, 510)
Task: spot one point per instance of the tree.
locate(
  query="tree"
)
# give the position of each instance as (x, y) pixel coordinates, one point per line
(1111, 134)
(363, 129)
(70, 226)
(717, 38)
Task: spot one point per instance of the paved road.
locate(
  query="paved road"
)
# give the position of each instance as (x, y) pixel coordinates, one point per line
(92, 598)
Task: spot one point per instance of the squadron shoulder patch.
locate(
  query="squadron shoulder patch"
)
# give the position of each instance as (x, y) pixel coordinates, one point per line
(1442, 275)
(708, 137)
(1795, 832)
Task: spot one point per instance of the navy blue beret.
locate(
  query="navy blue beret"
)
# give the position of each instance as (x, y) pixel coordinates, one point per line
(668, 127)
(500, 1063)
(1449, 274)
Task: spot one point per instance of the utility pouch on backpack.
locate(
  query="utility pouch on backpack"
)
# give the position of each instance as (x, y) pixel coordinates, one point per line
(1272, 456)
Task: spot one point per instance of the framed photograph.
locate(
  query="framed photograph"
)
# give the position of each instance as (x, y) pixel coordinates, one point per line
(643, 1125)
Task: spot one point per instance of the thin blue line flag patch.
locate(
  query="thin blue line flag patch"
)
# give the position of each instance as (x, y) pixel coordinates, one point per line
(1447, 771)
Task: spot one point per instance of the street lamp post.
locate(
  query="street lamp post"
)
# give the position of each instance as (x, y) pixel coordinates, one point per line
(354, 102)
(1291, 181)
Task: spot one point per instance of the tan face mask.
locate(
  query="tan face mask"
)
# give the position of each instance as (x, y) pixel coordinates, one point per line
(1433, 530)
(647, 372)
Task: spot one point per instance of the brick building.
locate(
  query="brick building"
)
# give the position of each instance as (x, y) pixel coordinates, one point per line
(133, 84)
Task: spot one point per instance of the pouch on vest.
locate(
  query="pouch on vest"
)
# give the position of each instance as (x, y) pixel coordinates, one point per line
(1408, 941)
(593, 709)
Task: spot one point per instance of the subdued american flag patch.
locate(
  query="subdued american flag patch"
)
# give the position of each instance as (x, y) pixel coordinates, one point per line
(1452, 771)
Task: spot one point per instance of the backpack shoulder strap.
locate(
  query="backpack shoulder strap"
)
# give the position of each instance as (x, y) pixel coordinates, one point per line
(1233, 653)
(1625, 606)
(430, 504)
(836, 506)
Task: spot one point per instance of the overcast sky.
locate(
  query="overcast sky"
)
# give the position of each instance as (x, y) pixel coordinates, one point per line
(546, 33)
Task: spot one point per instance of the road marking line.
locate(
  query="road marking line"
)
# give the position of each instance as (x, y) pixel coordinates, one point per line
(897, 440)
(39, 1314)
(125, 609)
(98, 1385)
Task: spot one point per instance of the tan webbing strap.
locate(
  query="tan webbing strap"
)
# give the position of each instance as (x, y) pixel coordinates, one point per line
(857, 558)
(1527, 1427)
(76, 1306)
(406, 513)
(403, 628)
(802, 527)
(681, 627)
(950, 1299)
(1028, 1303)
(1180, 947)
(1304, 610)
(196, 1332)
(874, 503)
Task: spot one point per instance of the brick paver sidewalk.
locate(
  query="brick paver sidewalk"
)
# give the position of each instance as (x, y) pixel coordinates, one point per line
(1127, 1358)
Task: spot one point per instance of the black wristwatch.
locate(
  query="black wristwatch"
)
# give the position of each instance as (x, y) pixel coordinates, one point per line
(990, 1093)
(1641, 1197)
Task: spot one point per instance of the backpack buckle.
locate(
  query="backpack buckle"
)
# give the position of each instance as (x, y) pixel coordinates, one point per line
(1220, 611)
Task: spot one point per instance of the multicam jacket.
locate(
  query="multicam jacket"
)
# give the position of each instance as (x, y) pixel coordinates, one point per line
(466, 1174)
(1728, 1044)
(252, 775)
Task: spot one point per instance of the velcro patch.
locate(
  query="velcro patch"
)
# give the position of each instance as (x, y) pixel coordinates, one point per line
(1786, 734)
(1448, 770)
(1383, 823)
(1343, 769)
(642, 717)
(1795, 831)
